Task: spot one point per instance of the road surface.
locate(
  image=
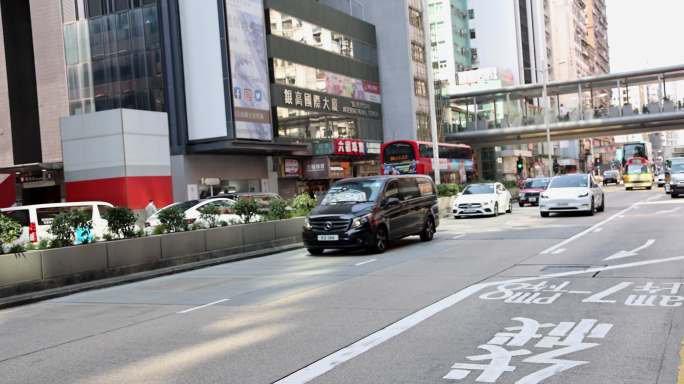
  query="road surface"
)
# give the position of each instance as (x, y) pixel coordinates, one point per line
(512, 299)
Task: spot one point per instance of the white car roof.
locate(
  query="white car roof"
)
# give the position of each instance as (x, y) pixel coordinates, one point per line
(58, 205)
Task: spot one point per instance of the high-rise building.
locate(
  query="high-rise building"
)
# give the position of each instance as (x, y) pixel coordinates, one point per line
(450, 36)
(401, 37)
(288, 101)
(597, 31)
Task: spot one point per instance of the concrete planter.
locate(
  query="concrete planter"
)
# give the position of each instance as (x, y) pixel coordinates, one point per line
(131, 252)
(445, 204)
(291, 228)
(223, 238)
(181, 244)
(20, 268)
(258, 233)
(73, 260)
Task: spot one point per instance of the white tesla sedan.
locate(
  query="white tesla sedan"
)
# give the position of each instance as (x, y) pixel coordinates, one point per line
(572, 193)
(488, 199)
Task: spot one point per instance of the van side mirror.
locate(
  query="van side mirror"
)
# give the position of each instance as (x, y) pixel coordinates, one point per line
(390, 201)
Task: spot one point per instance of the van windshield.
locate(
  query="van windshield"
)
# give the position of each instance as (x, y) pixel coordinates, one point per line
(353, 192)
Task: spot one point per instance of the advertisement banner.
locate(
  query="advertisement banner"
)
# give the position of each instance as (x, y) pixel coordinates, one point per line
(344, 86)
(249, 69)
(340, 170)
(316, 168)
(291, 167)
(408, 168)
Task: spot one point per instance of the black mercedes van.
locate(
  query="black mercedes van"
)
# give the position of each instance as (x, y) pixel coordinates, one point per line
(370, 212)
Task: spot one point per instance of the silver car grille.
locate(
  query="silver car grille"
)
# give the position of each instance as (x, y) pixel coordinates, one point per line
(469, 205)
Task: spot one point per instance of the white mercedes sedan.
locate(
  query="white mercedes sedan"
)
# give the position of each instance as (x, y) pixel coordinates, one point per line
(488, 199)
(572, 193)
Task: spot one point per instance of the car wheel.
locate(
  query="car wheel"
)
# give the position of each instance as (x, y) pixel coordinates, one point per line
(603, 205)
(544, 214)
(496, 209)
(592, 208)
(649, 188)
(315, 251)
(380, 241)
(428, 232)
(510, 207)
(674, 195)
(628, 188)
(521, 205)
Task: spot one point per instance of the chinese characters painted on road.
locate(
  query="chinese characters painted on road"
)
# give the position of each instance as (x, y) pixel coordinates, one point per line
(531, 343)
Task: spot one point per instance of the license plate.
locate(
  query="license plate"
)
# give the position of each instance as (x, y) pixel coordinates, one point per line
(533, 199)
(562, 204)
(328, 237)
(470, 211)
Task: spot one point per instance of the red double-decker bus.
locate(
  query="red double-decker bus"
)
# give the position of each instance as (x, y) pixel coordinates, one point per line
(456, 161)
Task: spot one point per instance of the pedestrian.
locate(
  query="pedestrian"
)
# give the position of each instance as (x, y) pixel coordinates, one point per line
(150, 209)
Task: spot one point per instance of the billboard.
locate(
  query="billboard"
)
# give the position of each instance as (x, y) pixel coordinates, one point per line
(249, 69)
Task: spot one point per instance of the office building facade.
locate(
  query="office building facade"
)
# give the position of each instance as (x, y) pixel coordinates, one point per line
(450, 36)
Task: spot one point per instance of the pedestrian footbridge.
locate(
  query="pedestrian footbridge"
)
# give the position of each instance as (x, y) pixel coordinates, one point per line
(641, 101)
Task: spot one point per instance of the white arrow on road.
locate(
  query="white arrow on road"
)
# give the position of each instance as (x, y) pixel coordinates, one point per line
(633, 252)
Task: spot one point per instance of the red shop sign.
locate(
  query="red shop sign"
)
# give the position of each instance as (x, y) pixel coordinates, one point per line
(349, 147)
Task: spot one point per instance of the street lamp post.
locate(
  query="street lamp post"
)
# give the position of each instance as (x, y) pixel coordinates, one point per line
(545, 96)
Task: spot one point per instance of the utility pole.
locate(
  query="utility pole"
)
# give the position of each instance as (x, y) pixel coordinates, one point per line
(546, 106)
(431, 93)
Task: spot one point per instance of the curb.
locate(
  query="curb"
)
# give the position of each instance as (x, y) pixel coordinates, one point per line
(52, 293)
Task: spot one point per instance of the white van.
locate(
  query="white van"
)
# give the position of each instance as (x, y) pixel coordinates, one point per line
(36, 219)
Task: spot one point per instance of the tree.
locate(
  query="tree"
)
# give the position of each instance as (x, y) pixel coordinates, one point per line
(121, 222)
(247, 209)
(10, 231)
(173, 219)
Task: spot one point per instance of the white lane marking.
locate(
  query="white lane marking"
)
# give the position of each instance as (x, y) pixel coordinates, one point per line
(458, 236)
(597, 230)
(328, 363)
(365, 262)
(678, 202)
(557, 251)
(598, 297)
(202, 306)
(588, 230)
(673, 210)
(633, 252)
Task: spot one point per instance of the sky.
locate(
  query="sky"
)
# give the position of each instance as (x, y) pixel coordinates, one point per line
(644, 34)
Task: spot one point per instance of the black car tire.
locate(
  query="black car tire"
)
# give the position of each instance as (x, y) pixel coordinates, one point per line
(380, 240)
(428, 232)
(510, 207)
(496, 210)
(592, 208)
(674, 195)
(315, 251)
(603, 205)
(544, 214)
(522, 205)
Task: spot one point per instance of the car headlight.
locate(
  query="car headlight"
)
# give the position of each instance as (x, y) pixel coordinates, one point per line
(307, 225)
(359, 222)
(585, 194)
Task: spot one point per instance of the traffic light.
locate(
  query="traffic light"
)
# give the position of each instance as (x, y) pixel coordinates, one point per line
(519, 166)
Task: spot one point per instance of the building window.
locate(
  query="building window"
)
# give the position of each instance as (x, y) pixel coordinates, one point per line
(303, 32)
(417, 52)
(420, 87)
(473, 54)
(415, 18)
(472, 33)
(471, 14)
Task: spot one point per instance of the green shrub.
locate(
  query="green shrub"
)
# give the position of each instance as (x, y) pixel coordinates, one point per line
(446, 190)
(140, 233)
(210, 215)
(173, 219)
(510, 184)
(223, 223)
(107, 237)
(159, 230)
(246, 209)
(10, 230)
(303, 204)
(277, 210)
(43, 244)
(17, 248)
(121, 222)
(65, 225)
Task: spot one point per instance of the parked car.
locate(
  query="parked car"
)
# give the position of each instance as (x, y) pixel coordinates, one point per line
(36, 219)
(530, 190)
(264, 199)
(370, 212)
(192, 210)
(611, 176)
(676, 185)
(488, 199)
(572, 193)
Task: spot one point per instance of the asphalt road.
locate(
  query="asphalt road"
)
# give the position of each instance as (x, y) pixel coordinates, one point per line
(512, 299)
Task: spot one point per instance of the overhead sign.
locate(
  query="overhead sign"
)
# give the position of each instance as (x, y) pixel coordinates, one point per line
(316, 168)
(322, 102)
(249, 69)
